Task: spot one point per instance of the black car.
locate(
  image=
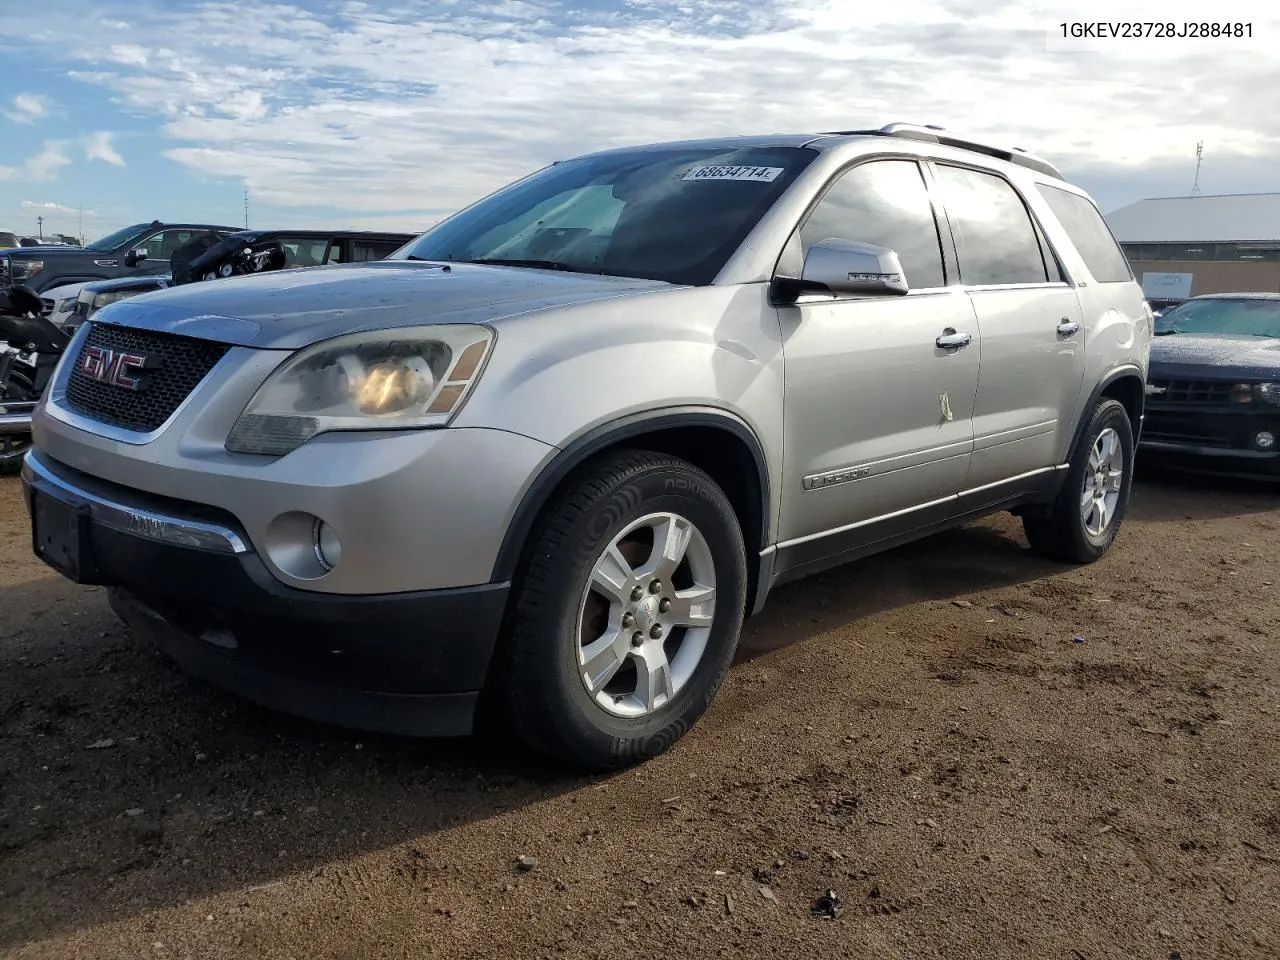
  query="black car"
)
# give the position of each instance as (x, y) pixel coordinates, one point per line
(1213, 390)
(143, 248)
(301, 248)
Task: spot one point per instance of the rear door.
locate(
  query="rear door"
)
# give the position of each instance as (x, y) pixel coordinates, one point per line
(1032, 365)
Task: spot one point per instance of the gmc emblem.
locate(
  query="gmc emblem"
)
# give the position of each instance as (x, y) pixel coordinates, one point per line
(117, 369)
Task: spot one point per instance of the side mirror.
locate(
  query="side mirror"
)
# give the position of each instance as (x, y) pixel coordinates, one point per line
(848, 266)
(135, 257)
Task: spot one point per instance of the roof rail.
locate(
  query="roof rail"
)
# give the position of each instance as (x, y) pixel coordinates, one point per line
(934, 134)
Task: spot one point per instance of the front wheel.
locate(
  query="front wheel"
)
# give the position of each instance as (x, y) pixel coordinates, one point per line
(1085, 518)
(14, 447)
(628, 612)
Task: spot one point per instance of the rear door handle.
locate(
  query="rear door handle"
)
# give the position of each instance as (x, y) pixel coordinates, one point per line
(1068, 328)
(950, 340)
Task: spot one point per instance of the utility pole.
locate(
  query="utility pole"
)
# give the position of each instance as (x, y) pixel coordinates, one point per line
(246, 206)
(40, 226)
(80, 228)
(1195, 187)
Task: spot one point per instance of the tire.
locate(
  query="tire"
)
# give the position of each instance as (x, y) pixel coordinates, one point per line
(14, 448)
(1066, 533)
(558, 614)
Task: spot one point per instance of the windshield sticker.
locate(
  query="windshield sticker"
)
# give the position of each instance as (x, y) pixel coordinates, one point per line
(757, 174)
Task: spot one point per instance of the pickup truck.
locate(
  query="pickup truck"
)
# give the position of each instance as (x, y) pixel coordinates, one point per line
(141, 249)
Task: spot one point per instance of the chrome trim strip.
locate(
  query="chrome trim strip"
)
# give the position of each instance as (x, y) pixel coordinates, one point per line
(865, 523)
(1022, 476)
(136, 521)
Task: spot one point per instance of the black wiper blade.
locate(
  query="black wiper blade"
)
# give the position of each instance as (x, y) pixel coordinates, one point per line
(532, 264)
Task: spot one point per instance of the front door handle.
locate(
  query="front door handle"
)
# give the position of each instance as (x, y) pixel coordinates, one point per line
(1068, 328)
(950, 340)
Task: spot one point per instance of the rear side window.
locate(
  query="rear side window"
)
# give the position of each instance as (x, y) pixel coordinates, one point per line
(884, 202)
(1090, 234)
(995, 235)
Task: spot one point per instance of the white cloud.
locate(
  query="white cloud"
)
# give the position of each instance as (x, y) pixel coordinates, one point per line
(49, 207)
(27, 108)
(97, 146)
(424, 105)
(46, 164)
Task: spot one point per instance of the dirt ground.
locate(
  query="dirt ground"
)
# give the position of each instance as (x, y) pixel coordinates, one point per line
(922, 733)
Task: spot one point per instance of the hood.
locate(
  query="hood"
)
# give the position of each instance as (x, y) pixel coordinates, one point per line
(1218, 357)
(145, 281)
(50, 251)
(287, 309)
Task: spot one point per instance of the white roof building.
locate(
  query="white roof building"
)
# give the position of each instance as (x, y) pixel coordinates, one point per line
(1230, 218)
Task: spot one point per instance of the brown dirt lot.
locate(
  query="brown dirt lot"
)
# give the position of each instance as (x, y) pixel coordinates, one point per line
(918, 732)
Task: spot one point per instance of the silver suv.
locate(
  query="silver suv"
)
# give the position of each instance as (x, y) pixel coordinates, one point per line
(547, 456)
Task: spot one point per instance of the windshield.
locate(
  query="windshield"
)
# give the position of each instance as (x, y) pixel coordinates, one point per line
(674, 215)
(1227, 317)
(113, 240)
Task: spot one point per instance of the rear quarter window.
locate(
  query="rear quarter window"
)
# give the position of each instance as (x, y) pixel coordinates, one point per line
(1089, 233)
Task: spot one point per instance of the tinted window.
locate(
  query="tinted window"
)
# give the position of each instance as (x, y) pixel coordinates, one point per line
(884, 202)
(365, 250)
(674, 214)
(163, 245)
(303, 251)
(994, 233)
(1090, 234)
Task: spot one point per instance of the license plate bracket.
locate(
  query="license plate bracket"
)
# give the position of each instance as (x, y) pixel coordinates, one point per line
(60, 536)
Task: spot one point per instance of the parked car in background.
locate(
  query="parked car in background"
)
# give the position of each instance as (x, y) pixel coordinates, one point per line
(302, 248)
(140, 249)
(1213, 390)
(558, 446)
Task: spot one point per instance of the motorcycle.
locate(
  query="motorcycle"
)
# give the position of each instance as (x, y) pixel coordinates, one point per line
(237, 255)
(30, 348)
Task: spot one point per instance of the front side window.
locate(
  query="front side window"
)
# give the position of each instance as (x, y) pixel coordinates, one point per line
(1223, 316)
(884, 202)
(1090, 234)
(995, 237)
(671, 214)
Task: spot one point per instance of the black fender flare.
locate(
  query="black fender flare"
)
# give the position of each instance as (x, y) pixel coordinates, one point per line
(596, 439)
(1114, 375)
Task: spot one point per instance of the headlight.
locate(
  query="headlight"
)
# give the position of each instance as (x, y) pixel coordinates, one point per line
(389, 380)
(20, 270)
(100, 300)
(1269, 393)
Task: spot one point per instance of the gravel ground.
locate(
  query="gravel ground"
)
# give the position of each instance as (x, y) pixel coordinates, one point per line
(922, 733)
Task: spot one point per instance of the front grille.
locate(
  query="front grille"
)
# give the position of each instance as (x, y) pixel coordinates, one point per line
(1198, 392)
(177, 365)
(4, 273)
(1186, 438)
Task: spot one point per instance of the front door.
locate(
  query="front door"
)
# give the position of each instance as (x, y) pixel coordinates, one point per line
(1032, 329)
(878, 428)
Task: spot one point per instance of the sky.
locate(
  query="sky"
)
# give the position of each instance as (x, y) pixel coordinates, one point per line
(393, 113)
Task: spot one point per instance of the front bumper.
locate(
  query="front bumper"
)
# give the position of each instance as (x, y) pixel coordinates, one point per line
(187, 578)
(1212, 441)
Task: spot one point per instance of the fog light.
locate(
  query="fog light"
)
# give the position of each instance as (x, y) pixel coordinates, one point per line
(1264, 440)
(328, 546)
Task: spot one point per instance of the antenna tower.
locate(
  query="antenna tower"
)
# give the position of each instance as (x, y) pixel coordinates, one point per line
(1195, 187)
